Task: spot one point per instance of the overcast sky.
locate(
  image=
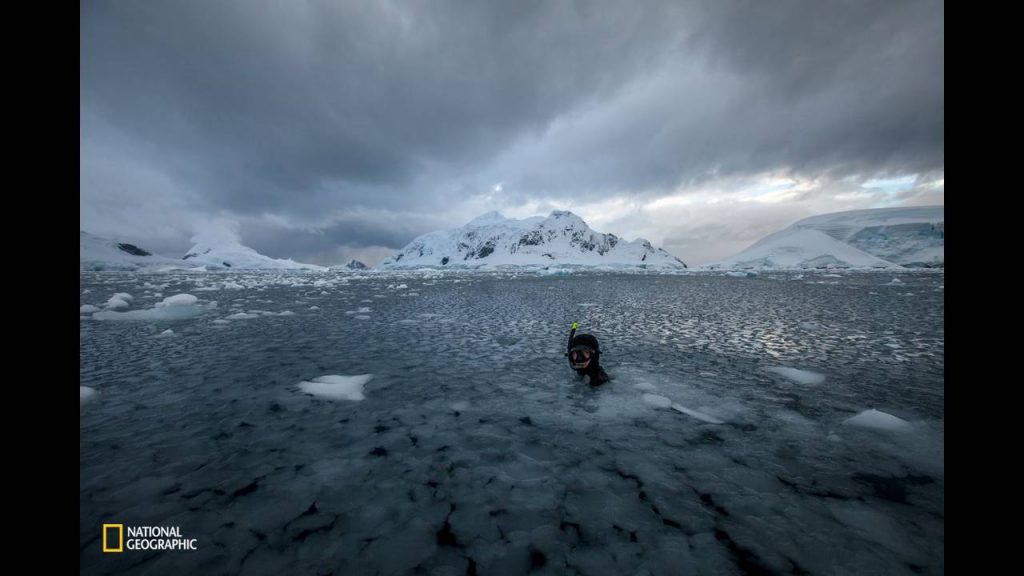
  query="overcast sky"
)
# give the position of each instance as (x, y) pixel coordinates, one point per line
(330, 130)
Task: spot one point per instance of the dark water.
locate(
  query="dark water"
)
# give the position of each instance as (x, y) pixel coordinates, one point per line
(476, 450)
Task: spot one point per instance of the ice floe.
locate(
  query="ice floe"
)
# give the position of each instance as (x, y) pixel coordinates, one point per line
(337, 387)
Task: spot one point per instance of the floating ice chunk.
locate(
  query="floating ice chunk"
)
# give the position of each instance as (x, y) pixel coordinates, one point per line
(794, 418)
(88, 309)
(86, 291)
(878, 420)
(657, 401)
(645, 386)
(166, 333)
(242, 316)
(895, 281)
(176, 307)
(118, 301)
(587, 304)
(221, 321)
(738, 274)
(85, 394)
(798, 376)
(698, 415)
(177, 300)
(314, 307)
(362, 317)
(363, 310)
(337, 387)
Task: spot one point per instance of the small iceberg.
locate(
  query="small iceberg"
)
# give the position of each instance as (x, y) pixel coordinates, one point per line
(878, 420)
(798, 376)
(336, 387)
(85, 394)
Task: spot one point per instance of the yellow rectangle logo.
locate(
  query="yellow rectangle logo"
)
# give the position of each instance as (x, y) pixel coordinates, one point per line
(107, 543)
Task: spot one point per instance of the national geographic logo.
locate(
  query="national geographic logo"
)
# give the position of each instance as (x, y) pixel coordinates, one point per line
(145, 538)
(113, 537)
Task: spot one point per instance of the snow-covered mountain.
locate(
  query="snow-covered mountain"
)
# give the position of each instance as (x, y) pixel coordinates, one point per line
(798, 249)
(912, 237)
(231, 255)
(562, 238)
(879, 238)
(96, 253)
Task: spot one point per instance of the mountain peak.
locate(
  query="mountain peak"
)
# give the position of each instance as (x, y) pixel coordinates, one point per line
(561, 238)
(566, 214)
(487, 218)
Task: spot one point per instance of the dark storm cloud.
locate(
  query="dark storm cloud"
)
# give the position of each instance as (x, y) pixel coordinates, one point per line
(303, 110)
(354, 230)
(815, 88)
(273, 102)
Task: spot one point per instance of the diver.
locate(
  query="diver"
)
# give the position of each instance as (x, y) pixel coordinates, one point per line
(584, 355)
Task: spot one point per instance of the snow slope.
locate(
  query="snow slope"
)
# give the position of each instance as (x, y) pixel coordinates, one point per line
(879, 238)
(794, 248)
(230, 255)
(912, 236)
(96, 253)
(560, 238)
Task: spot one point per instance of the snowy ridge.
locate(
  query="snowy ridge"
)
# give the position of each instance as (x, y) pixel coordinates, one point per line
(96, 253)
(879, 238)
(231, 255)
(911, 237)
(560, 238)
(791, 248)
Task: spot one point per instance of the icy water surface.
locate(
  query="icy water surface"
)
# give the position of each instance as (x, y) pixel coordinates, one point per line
(721, 446)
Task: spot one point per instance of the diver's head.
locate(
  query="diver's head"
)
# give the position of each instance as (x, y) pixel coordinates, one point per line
(581, 356)
(583, 352)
